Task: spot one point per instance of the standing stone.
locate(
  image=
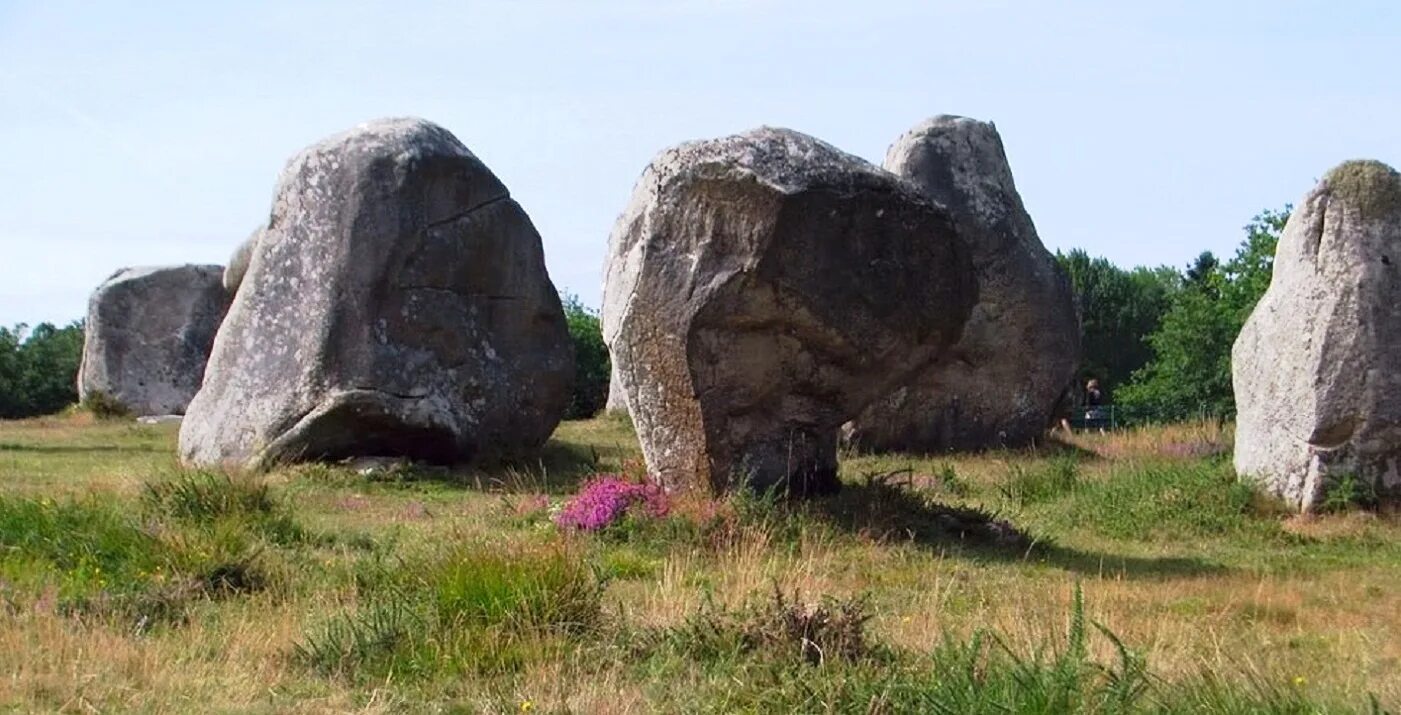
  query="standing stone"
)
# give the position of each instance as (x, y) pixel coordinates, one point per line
(762, 289)
(238, 262)
(617, 399)
(396, 304)
(1317, 367)
(999, 385)
(148, 335)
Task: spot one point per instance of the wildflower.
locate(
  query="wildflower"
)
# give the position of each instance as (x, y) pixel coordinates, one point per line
(527, 706)
(1300, 681)
(606, 499)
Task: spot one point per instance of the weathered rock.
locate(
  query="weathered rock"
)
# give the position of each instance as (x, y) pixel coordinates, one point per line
(238, 262)
(396, 304)
(763, 288)
(617, 399)
(148, 336)
(1317, 367)
(1000, 384)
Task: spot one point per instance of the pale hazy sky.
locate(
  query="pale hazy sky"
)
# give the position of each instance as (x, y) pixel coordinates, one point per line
(1145, 132)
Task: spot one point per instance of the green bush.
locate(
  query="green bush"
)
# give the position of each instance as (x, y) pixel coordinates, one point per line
(104, 406)
(591, 363)
(39, 369)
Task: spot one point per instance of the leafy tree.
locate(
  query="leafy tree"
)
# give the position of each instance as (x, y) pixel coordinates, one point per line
(39, 369)
(1190, 372)
(591, 365)
(1118, 308)
(1201, 271)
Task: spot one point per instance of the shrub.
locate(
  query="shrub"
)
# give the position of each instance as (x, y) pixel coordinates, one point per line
(608, 499)
(104, 407)
(1346, 493)
(591, 363)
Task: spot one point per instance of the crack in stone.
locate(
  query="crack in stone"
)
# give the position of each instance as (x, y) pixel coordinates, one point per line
(468, 213)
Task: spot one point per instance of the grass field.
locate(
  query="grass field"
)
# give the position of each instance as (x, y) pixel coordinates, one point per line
(1118, 573)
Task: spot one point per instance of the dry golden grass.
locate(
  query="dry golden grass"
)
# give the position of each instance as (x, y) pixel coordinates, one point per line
(1322, 613)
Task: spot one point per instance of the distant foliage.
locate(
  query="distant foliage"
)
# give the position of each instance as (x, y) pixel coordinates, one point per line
(39, 369)
(591, 365)
(1118, 309)
(1189, 374)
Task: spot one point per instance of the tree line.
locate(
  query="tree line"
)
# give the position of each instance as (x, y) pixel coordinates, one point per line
(1158, 339)
(39, 369)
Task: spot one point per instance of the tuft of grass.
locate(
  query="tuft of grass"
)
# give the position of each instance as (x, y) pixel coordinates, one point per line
(780, 627)
(1032, 484)
(204, 496)
(211, 499)
(472, 612)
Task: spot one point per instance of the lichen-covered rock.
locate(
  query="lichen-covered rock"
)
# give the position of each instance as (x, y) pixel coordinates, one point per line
(1317, 367)
(396, 304)
(238, 262)
(1000, 383)
(148, 335)
(763, 288)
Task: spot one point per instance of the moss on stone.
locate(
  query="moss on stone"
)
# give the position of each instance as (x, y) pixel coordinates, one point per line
(1372, 187)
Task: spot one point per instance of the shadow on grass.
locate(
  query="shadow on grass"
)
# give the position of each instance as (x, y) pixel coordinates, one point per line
(1057, 446)
(881, 510)
(76, 449)
(558, 467)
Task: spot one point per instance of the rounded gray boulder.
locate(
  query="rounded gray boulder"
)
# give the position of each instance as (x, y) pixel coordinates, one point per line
(1317, 367)
(396, 304)
(999, 385)
(148, 335)
(763, 288)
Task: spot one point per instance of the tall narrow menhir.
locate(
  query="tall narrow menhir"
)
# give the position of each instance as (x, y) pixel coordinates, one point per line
(1317, 367)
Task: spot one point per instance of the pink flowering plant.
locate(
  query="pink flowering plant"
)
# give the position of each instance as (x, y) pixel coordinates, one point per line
(609, 499)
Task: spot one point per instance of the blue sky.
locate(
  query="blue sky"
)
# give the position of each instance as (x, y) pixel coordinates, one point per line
(1144, 132)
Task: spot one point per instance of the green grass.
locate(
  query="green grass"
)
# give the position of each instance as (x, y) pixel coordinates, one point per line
(472, 611)
(1111, 577)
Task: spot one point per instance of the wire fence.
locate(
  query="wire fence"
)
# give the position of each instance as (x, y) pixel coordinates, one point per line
(1113, 417)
